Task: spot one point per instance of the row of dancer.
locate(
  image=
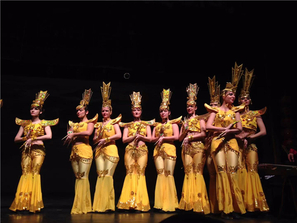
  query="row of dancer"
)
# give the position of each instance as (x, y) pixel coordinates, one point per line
(222, 138)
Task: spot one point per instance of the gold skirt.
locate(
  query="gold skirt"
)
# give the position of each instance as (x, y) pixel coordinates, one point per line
(134, 192)
(29, 195)
(255, 199)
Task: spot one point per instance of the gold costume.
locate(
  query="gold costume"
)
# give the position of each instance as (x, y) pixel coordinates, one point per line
(250, 184)
(194, 193)
(254, 197)
(225, 152)
(165, 159)
(29, 195)
(106, 158)
(214, 92)
(134, 192)
(81, 159)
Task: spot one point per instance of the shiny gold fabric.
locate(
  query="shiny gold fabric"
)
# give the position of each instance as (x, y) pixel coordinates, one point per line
(212, 175)
(242, 171)
(81, 127)
(250, 183)
(249, 119)
(106, 158)
(81, 151)
(29, 195)
(104, 197)
(166, 150)
(110, 149)
(134, 192)
(81, 160)
(35, 129)
(194, 193)
(225, 153)
(165, 160)
(255, 199)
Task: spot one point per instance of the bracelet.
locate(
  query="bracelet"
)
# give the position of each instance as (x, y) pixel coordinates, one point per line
(24, 138)
(107, 139)
(190, 138)
(69, 132)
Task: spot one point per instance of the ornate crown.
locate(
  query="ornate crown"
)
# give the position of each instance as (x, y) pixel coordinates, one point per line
(166, 96)
(236, 75)
(136, 100)
(40, 97)
(86, 97)
(105, 91)
(192, 91)
(214, 90)
(248, 78)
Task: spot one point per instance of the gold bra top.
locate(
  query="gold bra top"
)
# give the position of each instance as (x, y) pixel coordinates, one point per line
(137, 127)
(166, 128)
(104, 131)
(194, 124)
(222, 118)
(35, 129)
(249, 119)
(82, 126)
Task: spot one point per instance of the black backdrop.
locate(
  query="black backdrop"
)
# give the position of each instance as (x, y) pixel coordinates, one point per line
(66, 47)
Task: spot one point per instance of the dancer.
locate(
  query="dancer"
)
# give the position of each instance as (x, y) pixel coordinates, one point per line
(134, 194)
(225, 123)
(29, 195)
(106, 154)
(251, 187)
(194, 194)
(81, 154)
(164, 135)
(214, 92)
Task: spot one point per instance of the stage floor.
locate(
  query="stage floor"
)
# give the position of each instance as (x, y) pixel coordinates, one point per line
(53, 213)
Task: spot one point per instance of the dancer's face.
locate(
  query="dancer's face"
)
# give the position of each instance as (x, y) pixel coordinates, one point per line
(245, 100)
(81, 113)
(136, 112)
(164, 113)
(229, 97)
(214, 104)
(191, 109)
(35, 111)
(106, 112)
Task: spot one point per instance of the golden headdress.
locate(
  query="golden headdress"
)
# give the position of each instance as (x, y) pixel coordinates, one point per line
(192, 91)
(40, 97)
(136, 100)
(236, 75)
(214, 90)
(86, 97)
(248, 78)
(105, 91)
(166, 96)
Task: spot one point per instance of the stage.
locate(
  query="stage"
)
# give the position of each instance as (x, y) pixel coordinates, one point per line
(57, 210)
(66, 48)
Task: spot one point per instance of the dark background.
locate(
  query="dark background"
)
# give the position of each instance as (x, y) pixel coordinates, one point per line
(66, 47)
